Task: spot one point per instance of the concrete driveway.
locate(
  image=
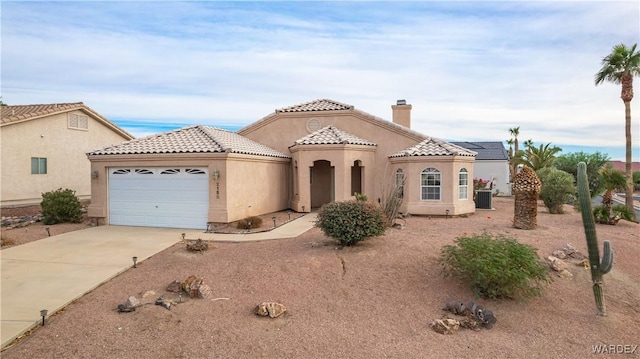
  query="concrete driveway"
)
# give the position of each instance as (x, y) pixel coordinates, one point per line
(51, 273)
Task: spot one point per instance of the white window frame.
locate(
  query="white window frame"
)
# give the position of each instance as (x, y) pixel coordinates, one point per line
(39, 164)
(430, 184)
(463, 184)
(400, 182)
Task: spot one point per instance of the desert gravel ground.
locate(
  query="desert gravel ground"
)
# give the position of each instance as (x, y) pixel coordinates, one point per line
(373, 300)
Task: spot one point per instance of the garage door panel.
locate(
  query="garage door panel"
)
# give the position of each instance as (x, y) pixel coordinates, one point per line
(147, 197)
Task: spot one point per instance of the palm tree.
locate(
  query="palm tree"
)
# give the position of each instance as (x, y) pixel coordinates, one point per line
(614, 180)
(619, 67)
(540, 157)
(515, 131)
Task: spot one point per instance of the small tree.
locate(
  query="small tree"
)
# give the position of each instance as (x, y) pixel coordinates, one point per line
(61, 206)
(350, 222)
(594, 161)
(557, 188)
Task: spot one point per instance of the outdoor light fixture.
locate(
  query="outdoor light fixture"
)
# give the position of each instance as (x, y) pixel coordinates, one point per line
(135, 260)
(289, 213)
(183, 235)
(274, 221)
(94, 174)
(48, 232)
(447, 215)
(43, 314)
(216, 174)
(302, 208)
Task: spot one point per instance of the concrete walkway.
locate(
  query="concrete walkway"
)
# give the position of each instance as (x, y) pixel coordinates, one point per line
(53, 272)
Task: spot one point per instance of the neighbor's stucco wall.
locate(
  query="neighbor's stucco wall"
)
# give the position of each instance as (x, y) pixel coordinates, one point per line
(498, 170)
(63, 147)
(449, 168)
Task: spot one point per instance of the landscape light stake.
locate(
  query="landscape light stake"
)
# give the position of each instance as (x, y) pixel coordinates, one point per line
(447, 215)
(289, 214)
(43, 314)
(135, 260)
(274, 222)
(183, 235)
(47, 229)
(598, 267)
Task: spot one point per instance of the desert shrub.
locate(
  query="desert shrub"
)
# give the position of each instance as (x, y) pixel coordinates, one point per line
(61, 206)
(249, 222)
(619, 211)
(557, 188)
(350, 222)
(636, 180)
(360, 196)
(497, 267)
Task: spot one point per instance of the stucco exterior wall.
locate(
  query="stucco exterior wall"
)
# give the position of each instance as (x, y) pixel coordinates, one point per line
(248, 185)
(281, 130)
(449, 168)
(498, 170)
(64, 148)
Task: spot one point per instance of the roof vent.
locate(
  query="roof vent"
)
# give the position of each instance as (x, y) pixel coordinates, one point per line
(401, 102)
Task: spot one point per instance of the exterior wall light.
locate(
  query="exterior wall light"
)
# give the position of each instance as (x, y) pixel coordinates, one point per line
(94, 174)
(216, 174)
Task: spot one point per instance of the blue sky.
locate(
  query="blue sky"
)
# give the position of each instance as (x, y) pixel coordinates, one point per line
(471, 70)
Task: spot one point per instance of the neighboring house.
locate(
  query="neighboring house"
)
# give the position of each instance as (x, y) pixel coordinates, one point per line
(621, 166)
(492, 163)
(299, 158)
(44, 148)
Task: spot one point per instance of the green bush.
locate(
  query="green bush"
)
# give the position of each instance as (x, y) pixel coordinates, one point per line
(350, 222)
(601, 214)
(636, 180)
(249, 222)
(557, 188)
(61, 206)
(497, 267)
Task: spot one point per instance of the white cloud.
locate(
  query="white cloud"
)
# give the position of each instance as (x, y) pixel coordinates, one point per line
(470, 69)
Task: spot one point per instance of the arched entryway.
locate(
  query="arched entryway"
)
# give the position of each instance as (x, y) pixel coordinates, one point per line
(321, 178)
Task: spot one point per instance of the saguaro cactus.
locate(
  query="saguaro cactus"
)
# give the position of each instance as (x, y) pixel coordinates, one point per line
(598, 268)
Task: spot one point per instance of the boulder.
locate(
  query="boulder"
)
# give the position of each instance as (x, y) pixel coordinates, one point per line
(270, 309)
(175, 287)
(445, 326)
(132, 302)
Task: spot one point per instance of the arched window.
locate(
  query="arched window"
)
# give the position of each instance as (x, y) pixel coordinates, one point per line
(430, 180)
(399, 183)
(463, 184)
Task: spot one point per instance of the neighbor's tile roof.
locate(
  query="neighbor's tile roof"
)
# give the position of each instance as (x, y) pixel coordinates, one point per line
(434, 147)
(24, 112)
(331, 135)
(317, 105)
(192, 139)
(488, 150)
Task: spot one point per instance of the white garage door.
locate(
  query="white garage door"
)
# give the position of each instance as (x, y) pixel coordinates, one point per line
(159, 197)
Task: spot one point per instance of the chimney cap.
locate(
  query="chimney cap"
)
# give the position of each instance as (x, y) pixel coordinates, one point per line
(401, 102)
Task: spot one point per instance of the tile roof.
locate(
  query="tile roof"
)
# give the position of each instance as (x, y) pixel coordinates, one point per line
(331, 135)
(24, 112)
(434, 147)
(192, 139)
(488, 150)
(317, 105)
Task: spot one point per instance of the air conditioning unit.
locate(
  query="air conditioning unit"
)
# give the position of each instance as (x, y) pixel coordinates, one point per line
(483, 199)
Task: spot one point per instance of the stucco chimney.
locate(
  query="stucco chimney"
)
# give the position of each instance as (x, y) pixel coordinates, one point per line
(402, 113)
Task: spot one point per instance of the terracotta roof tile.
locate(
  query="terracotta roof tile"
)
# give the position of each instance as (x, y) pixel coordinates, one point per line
(192, 139)
(331, 135)
(24, 112)
(317, 105)
(434, 147)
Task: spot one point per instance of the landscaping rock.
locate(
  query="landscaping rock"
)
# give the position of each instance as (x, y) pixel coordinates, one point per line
(557, 264)
(175, 287)
(445, 326)
(270, 309)
(132, 302)
(565, 274)
(197, 246)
